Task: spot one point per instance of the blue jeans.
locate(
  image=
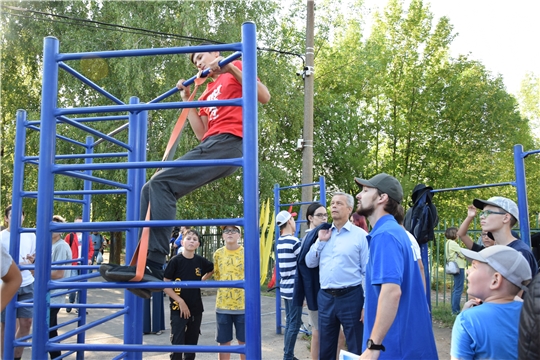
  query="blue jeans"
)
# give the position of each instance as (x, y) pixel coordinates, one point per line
(344, 310)
(457, 291)
(294, 321)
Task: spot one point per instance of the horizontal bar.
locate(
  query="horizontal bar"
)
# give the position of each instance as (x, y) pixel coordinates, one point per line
(69, 200)
(94, 306)
(474, 187)
(149, 52)
(239, 349)
(147, 285)
(191, 80)
(145, 106)
(532, 152)
(82, 156)
(90, 83)
(33, 194)
(94, 131)
(114, 225)
(299, 186)
(82, 176)
(298, 203)
(59, 169)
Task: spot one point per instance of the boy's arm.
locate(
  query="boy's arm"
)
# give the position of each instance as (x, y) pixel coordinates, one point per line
(198, 123)
(263, 95)
(11, 282)
(184, 310)
(207, 276)
(57, 274)
(464, 227)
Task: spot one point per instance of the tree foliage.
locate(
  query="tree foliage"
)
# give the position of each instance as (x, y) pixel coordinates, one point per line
(388, 98)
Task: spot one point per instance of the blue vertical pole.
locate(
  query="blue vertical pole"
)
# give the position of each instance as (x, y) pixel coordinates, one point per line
(15, 225)
(45, 198)
(251, 192)
(521, 189)
(322, 190)
(137, 150)
(276, 264)
(85, 244)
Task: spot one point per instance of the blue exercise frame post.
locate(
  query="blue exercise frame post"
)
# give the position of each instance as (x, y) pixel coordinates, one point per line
(136, 165)
(277, 206)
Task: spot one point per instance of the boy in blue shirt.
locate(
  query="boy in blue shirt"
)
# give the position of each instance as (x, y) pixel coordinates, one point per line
(490, 330)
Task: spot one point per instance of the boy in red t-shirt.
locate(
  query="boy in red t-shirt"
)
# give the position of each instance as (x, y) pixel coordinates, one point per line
(220, 132)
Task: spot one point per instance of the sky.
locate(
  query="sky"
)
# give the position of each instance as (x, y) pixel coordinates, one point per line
(504, 35)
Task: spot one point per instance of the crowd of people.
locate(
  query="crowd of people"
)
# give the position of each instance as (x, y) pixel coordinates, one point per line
(365, 288)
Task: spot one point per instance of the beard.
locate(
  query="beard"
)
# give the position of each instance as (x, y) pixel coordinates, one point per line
(368, 210)
(365, 211)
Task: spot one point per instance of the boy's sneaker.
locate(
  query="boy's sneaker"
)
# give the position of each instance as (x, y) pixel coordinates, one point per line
(120, 273)
(142, 293)
(126, 273)
(103, 268)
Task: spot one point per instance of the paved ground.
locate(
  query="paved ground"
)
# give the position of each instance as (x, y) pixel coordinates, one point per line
(272, 343)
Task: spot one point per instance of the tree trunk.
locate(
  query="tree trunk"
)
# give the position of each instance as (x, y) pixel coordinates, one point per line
(116, 246)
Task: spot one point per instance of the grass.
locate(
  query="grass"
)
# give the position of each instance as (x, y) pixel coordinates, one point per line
(442, 315)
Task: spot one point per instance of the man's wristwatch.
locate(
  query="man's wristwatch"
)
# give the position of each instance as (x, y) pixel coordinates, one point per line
(372, 346)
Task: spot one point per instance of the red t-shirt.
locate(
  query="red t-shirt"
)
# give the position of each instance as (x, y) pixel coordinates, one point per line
(223, 119)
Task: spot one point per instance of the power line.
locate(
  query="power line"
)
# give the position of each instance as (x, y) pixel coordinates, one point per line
(123, 28)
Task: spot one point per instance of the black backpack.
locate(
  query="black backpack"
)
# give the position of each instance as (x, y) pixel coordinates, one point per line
(421, 219)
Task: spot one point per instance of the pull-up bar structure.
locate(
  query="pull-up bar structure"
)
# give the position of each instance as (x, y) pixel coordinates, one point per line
(134, 154)
(278, 206)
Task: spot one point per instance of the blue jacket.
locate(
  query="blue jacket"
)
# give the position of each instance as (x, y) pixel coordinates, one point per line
(306, 281)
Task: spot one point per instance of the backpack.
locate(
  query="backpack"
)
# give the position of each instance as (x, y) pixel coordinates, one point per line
(71, 237)
(421, 218)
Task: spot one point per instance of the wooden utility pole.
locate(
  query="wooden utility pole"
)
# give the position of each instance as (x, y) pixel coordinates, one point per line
(307, 144)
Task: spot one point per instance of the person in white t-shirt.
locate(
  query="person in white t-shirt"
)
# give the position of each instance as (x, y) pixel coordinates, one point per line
(400, 217)
(27, 253)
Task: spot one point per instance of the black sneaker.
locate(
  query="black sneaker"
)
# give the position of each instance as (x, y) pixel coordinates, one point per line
(126, 273)
(119, 273)
(103, 268)
(142, 293)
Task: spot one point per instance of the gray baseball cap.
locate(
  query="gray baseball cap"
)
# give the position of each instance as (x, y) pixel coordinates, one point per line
(501, 202)
(385, 183)
(506, 261)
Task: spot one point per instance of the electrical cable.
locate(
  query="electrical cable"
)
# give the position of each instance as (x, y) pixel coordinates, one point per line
(126, 29)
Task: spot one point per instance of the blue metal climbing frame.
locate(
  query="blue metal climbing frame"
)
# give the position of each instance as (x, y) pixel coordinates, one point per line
(278, 206)
(135, 152)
